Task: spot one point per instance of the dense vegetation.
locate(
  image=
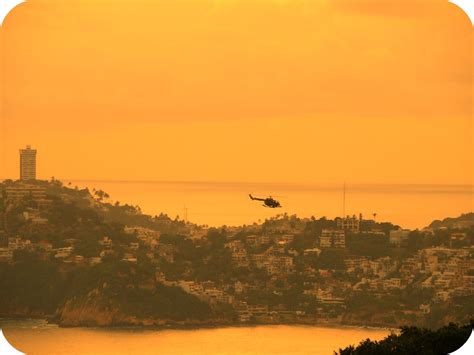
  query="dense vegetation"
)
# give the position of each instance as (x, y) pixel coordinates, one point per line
(413, 340)
(39, 287)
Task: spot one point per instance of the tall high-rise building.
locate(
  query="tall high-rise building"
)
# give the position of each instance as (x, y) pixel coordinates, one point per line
(27, 163)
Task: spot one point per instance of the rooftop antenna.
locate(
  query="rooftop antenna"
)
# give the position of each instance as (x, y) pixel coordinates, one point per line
(185, 214)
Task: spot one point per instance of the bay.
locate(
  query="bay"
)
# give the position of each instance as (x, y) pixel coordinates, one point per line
(37, 337)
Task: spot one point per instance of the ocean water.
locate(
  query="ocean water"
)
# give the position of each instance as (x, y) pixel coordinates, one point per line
(36, 337)
(219, 203)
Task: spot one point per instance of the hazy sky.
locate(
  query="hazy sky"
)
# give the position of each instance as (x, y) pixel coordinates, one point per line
(297, 91)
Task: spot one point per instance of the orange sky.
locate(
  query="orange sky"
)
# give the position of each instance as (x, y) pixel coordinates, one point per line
(235, 90)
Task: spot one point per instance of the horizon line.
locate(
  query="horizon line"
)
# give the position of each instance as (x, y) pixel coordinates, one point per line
(167, 181)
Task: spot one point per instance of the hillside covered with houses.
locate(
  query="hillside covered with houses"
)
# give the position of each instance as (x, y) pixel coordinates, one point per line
(77, 258)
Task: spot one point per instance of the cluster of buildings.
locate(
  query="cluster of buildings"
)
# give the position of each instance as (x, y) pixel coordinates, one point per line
(17, 243)
(448, 271)
(205, 291)
(273, 259)
(332, 238)
(34, 195)
(67, 252)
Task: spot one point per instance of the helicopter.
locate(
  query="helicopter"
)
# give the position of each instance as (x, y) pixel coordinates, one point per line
(267, 202)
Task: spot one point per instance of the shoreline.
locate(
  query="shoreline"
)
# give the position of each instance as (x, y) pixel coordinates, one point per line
(177, 326)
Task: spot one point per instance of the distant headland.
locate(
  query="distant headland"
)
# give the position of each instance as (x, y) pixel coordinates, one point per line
(69, 255)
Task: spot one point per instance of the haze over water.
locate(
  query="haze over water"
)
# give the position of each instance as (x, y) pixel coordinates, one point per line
(227, 203)
(38, 338)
